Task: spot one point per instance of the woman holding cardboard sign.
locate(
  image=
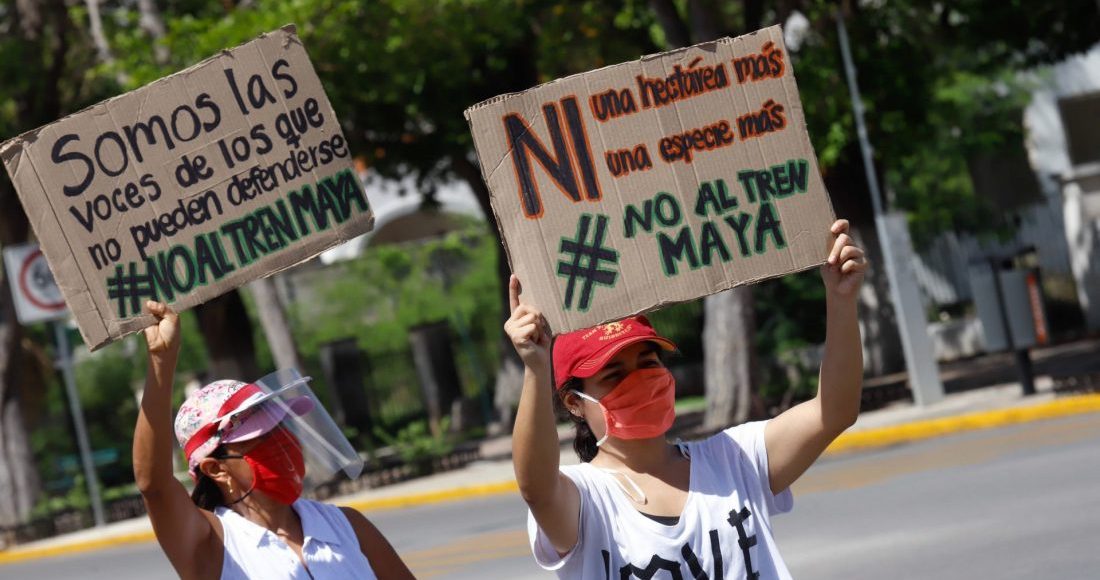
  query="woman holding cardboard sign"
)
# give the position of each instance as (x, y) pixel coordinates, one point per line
(251, 449)
(638, 505)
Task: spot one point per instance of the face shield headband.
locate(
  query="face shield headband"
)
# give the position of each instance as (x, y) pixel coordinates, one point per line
(284, 399)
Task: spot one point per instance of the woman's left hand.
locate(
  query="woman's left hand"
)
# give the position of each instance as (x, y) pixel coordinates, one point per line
(844, 269)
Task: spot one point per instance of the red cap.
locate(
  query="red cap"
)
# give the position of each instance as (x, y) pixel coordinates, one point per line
(582, 353)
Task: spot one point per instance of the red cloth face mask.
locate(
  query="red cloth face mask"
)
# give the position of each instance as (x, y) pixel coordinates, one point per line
(278, 467)
(641, 406)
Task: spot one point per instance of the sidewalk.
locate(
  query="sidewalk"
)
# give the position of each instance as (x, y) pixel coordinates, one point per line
(893, 425)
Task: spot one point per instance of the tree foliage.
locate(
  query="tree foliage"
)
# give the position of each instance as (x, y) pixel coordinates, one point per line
(942, 82)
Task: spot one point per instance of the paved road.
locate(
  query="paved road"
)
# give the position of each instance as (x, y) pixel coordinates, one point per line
(1018, 502)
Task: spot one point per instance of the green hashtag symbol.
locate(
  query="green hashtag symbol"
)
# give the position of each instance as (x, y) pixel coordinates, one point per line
(584, 262)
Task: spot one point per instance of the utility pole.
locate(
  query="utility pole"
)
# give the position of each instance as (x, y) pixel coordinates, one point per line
(924, 378)
(65, 363)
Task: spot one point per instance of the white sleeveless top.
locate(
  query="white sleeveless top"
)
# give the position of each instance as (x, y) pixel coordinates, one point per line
(331, 548)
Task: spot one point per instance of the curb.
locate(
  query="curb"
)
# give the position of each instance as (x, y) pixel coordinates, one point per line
(860, 440)
(16, 555)
(927, 429)
(386, 503)
(433, 497)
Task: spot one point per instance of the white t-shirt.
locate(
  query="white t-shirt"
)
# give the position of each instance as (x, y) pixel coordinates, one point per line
(724, 532)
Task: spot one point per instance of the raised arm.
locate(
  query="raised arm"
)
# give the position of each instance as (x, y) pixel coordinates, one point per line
(552, 497)
(797, 437)
(185, 532)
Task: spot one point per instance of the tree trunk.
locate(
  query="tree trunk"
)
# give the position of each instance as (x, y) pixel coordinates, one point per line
(227, 332)
(434, 358)
(102, 47)
(29, 17)
(153, 25)
(95, 25)
(676, 32)
(729, 358)
(509, 380)
(704, 25)
(729, 326)
(273, 320)
(40, 103)
(18, 476)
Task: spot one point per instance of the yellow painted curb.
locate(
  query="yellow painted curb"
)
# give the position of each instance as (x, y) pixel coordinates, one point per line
(430, 497)
(918, 430)
(18, 555)
(871, 438)
(410, 500)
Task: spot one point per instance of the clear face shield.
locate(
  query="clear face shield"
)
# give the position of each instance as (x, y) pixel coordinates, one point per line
(284, 399)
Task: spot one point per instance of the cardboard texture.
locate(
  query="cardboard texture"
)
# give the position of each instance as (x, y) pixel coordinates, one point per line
(188, 187)
(655, 181)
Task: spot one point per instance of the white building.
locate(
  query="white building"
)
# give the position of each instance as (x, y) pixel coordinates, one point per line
(1063, 127)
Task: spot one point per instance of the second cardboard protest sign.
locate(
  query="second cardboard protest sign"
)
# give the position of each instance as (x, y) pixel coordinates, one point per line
(189, 187)
(655, 181)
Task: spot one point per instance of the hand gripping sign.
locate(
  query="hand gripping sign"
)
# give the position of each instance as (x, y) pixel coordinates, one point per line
(655, 181)
(191, 186)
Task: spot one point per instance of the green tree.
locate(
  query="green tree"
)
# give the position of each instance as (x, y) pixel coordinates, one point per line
(379, 296)
(38, 82)
(939, 83)
(400, 73)
(49, 67)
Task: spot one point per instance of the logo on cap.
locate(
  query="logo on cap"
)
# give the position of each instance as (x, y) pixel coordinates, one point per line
(613, 330)
(610, 331)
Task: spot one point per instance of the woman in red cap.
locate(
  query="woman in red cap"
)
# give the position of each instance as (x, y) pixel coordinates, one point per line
(638, 506)
(244, 518)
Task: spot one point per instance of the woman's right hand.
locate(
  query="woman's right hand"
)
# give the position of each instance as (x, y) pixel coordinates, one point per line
(163, 338)
(528, 330)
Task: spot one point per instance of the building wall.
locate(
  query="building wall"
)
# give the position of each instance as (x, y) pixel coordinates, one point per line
(1047, 148)
(1067, 244)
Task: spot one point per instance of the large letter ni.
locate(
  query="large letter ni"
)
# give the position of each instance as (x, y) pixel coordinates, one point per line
(560, 166)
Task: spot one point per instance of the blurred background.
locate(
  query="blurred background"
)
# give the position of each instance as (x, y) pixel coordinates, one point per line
(983, 118)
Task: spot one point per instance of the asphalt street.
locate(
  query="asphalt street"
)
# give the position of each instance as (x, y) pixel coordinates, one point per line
(1016, 502)
(1019, 502)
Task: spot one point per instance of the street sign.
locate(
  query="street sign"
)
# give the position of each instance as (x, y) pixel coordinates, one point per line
(37, 297)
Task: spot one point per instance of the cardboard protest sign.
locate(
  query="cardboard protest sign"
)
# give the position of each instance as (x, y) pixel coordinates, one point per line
(191, 186)
(654, 181)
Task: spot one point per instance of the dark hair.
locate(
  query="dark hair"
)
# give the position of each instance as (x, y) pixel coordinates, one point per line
(207, 495)
(584, 440)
